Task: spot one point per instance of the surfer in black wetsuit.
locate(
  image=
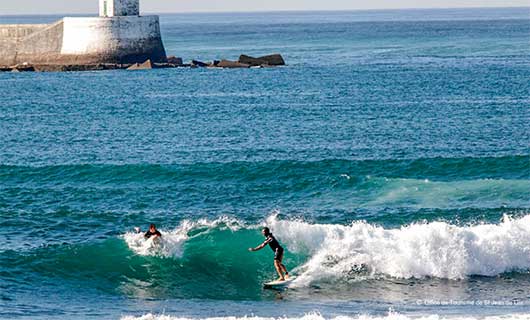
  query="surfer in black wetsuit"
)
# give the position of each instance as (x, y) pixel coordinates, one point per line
(278, 252)
(152, 232)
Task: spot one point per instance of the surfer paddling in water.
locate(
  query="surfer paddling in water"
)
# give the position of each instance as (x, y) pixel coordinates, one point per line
(152, 232)
(278, 252)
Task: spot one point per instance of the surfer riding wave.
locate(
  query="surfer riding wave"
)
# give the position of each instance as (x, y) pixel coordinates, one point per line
(278, 253)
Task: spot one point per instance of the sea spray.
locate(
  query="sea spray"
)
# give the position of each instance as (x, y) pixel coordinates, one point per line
(436, 249)
(333, 252)
(170, 245)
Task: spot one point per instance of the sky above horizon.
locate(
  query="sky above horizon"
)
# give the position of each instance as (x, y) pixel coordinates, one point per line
(160, 6)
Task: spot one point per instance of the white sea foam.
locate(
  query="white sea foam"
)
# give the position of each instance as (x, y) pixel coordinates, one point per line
(172, 241)
(359, 250)
(435, 249)
(316, 316)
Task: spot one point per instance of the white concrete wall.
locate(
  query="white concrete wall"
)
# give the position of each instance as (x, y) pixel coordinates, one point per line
(78, 41)
(86, 36)
(118, 8)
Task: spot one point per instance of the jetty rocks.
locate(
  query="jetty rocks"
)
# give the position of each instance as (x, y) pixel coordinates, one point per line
(270, 60)
(244, 61)
(248, 61)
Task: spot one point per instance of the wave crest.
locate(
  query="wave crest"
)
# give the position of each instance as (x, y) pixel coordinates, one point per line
(172, 241)
(436, 249)
(333, 252)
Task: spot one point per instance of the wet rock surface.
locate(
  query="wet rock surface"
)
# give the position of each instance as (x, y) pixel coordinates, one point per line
(270, 60)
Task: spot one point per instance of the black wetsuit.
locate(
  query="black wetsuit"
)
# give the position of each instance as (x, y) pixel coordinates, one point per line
(275, 246)
(149, 234)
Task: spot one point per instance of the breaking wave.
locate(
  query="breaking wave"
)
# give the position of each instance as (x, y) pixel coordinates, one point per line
(435, 249)
(170, 245)
(332, 252)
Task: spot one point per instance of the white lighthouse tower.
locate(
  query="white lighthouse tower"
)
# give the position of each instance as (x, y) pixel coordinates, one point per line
(119, 8)
(118, 36)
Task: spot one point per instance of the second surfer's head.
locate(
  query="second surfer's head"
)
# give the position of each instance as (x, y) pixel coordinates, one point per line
(152, 227)
(265, 231)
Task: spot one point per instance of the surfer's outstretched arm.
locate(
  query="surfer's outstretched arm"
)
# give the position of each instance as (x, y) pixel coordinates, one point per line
(261, 246)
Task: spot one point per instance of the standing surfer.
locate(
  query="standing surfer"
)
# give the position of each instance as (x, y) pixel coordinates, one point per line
(278, 252)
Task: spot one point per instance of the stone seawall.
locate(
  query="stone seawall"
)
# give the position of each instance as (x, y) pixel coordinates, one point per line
(129, 39)
(17, 31)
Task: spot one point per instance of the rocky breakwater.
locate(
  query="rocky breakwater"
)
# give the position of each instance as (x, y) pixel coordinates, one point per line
(244, 61)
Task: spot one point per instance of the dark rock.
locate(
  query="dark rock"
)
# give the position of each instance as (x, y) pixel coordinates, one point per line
(231, 64)
(51, 68)
(184, 65)
(79, 67)
(271, 60)
(174, 60)
(108, 66)
(199, 63)
(164, 65)
(23, 68)
(147, 65)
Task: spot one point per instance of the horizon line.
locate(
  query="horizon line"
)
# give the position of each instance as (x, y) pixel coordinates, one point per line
(277, 11)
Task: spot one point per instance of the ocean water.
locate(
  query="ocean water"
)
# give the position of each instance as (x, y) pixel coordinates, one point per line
(391, 158)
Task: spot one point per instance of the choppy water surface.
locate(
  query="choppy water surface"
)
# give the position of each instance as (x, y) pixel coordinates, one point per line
(391, 157)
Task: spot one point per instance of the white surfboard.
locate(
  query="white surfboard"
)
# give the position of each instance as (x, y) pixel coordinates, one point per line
(277, 284)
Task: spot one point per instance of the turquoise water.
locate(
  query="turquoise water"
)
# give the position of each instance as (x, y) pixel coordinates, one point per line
(391, 157)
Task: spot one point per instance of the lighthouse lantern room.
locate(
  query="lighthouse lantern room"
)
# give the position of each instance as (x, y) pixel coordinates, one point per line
(118, 8)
